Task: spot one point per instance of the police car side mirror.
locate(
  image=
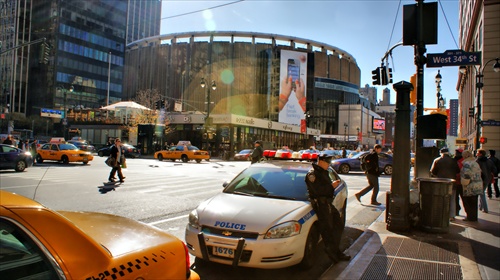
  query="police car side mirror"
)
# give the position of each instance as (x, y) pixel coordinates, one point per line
(225, 184)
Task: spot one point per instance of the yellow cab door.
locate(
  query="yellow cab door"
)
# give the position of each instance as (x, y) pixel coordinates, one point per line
(54, 152)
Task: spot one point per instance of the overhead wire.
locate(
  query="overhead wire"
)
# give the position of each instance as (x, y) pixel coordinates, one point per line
(392, 33)
(447, 23)
(197, 11)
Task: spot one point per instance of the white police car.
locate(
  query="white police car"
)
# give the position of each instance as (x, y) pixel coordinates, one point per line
(262, 219)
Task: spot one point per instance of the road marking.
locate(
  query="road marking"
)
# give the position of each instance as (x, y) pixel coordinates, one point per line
(167, 220)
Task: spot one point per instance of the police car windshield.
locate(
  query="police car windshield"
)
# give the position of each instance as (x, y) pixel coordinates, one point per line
(270, 182)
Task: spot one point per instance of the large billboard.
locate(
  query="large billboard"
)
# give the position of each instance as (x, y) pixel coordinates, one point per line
(292, 98)
(378, 125)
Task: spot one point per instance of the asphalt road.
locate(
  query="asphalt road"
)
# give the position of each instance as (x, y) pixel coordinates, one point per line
(163, 193)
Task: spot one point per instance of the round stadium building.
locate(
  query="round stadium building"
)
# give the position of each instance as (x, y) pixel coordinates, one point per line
(228, 89)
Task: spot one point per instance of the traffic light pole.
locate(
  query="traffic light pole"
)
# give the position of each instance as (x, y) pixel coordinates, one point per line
(420, 61)
(24, 45)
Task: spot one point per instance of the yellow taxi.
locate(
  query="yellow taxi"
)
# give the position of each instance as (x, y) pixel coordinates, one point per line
(183, 151)
(39, 243)
(62, 151)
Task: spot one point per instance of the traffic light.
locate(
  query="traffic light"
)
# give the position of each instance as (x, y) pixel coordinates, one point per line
(471, 112)
(158, 104)
(413, 92)
(483, 140)
(376, 76)
(386, 75)
(44, 53)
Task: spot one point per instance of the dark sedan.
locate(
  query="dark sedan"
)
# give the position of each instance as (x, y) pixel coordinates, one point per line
(14, 158)
(128, 150)
(344, 165)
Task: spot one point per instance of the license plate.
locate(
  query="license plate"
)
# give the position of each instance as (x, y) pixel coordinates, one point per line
(223, 252)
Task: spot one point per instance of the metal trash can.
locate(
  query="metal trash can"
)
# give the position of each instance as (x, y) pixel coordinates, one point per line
(435, 195)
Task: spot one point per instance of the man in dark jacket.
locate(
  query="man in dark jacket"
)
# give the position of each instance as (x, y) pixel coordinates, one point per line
(372, 173)
(496, 162)
(321, 186)
(116, 152)
(258, 152)
(446, 167)
(487, 170)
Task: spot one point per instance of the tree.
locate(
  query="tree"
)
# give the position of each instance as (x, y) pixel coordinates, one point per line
(148, 98)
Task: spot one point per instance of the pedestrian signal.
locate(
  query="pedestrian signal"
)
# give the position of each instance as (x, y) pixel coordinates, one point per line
(483, 140)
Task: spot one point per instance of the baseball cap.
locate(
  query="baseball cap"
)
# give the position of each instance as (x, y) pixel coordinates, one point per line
(258, 142)
(325, 157)
(444, 150)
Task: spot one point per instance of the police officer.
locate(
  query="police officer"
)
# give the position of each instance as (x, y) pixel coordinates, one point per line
(321, 184)
(258, 152)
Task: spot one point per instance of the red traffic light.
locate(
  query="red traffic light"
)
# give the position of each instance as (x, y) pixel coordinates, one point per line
(483, 140)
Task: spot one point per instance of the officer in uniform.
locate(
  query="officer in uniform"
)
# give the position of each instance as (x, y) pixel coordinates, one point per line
(321, 184)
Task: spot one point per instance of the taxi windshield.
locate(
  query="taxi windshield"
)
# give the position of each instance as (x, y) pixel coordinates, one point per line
(273, 183)
(66, 147)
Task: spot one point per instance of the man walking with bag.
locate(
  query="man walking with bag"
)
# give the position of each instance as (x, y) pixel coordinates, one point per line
(372, 173)
(116, 153)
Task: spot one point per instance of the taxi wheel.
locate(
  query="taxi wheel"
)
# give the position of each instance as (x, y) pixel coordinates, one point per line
(39, 159)
(198, 160)
(388, 170)
(160, 157)
(344, 168)
(20, 166)
(311, 249)
(65, 159)
(184, 158)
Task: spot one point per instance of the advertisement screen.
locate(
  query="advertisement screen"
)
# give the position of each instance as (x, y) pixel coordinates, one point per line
(378, 125)
(292, 97)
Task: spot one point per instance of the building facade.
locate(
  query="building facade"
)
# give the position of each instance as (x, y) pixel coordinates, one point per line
(479, 26)
(143, 19)
(249, 71)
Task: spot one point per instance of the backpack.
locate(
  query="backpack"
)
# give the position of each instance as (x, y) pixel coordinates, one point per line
(363, 164)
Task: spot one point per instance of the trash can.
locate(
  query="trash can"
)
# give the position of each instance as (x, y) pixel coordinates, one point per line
(435, 195)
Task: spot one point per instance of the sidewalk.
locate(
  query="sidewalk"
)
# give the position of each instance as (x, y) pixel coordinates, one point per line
(470, 250)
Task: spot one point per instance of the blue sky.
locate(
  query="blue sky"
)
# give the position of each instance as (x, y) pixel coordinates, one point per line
(363, 28)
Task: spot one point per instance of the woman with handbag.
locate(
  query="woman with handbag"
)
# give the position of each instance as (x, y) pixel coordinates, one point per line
(116, 153)
(472, 184)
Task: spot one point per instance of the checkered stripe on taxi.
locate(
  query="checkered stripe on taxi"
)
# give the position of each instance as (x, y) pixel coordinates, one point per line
(123, 270)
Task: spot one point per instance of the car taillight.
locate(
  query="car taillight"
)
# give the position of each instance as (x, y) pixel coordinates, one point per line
(188, 265)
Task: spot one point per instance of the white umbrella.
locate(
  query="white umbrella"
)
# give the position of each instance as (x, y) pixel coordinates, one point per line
(125, 105)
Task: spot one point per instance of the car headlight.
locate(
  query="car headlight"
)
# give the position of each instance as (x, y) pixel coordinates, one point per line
(284, 230)
(27, 153)
(193, 219)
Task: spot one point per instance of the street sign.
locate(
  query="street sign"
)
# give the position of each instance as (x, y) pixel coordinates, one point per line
(490, 123)
(453, 58)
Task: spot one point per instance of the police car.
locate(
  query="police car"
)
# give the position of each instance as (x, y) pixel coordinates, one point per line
(262, 219)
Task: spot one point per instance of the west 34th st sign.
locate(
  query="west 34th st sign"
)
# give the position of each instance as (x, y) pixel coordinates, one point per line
(453, 58)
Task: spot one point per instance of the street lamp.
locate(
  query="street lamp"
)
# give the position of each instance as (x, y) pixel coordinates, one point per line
(214, 87)
(479, 86)
(65, 93)
(357, 135)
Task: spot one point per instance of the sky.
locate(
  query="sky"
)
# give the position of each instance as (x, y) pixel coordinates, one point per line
(366, 29)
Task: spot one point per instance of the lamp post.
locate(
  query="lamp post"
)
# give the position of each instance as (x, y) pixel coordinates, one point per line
(438, 89)
(479, 86)
(214, 87)
(65, 119)
(357, 136)
(345, 133)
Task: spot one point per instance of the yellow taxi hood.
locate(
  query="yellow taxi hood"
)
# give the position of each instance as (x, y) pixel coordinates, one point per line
(117, 234)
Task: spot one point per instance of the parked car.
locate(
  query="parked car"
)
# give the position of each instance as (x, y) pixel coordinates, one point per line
(62, 151)
(243, 155)
(14, 158)
(261, 219)
(129, 151)
(82, 145)
(344, 165)
(40, 243)
(183, 152)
